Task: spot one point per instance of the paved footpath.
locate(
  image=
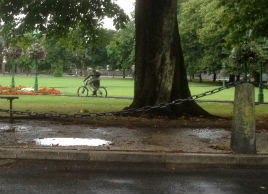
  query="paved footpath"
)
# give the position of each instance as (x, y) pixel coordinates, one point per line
(167, 147)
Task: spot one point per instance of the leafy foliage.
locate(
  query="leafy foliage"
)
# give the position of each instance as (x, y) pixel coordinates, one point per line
(250, 53)
(211, 29)
(58, 17)
(13, 52)
(242, 15)
(121, 50)
(36, 52)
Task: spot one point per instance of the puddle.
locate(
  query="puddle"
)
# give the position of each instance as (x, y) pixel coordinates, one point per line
(71, 142)
(7, 127)
(121, 181)
(210, 133)
(20, 128)
(13, 128)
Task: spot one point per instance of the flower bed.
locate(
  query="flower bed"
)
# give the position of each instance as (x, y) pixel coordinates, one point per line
(22, 90)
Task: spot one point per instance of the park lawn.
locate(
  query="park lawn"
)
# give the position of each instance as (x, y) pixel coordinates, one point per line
(119, 86)
(50, 81)
(64, 104)
(226, 109)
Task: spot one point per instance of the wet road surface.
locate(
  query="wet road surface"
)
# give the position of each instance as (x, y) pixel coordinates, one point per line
(33, 177)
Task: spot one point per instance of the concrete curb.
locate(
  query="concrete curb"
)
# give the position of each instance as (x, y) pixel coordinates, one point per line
(165, 160)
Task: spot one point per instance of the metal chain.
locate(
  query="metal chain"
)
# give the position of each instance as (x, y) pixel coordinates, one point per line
(144, 109)
(178, 101)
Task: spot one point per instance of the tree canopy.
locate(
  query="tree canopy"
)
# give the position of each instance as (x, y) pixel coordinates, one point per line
(121, 49)
(211, 29)
(58, 17)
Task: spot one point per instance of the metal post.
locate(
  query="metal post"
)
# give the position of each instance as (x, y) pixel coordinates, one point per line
(10, 111)
(13, 74)
(260, 95)
(36, 77)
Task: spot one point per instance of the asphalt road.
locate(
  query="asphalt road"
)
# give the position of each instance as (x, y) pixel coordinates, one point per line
(67, 178)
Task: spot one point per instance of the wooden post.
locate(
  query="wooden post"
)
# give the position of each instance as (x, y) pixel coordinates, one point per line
(243, 139)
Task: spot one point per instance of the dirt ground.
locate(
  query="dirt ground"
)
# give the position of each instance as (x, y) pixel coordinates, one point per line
(161, 122)
(186, 134)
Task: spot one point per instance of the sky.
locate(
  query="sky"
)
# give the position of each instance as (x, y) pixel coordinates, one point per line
(126, 5)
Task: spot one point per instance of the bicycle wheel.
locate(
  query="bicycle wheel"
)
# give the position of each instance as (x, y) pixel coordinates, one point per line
(102, 92)
(82, 91)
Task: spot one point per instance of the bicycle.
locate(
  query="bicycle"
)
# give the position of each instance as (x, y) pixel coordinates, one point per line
(88, 90)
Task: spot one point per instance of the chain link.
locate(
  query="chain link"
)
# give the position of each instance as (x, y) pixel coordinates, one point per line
(144, 109)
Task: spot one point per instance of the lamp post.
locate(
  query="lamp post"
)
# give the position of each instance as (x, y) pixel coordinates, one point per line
(13, 75)
(35, 33)
(13, 53)
(36, 77)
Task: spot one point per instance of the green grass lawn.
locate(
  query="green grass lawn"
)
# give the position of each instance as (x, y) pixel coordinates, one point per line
(115, 87)
(118, 86)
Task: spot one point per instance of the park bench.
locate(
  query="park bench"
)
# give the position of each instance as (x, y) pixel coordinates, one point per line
(10, 98)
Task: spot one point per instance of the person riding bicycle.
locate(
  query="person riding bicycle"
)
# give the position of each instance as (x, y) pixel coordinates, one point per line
(93, 79)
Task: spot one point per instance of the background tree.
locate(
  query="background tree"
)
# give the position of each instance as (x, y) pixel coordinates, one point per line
(58, 17)
(241, 16)
(211, 29)
(203, 36)
(211, 36)
(190, 22)
(121, 50)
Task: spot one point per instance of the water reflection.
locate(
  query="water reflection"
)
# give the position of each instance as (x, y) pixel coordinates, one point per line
(7, 128)
(71, 142)
(18, 128)
(209, 133)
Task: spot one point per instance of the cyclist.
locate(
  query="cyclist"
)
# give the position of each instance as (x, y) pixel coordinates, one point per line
(93, 79)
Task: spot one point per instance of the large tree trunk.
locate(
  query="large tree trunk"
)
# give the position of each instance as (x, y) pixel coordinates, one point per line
(160, 71)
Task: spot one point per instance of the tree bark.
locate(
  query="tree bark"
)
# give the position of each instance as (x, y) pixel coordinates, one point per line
(124, 73)
(231, 78)
(214, 77)
(200, 78)
(160, 70)
(3, 69)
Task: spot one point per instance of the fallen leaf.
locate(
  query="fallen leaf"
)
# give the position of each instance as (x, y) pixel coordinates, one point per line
(220, 147)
